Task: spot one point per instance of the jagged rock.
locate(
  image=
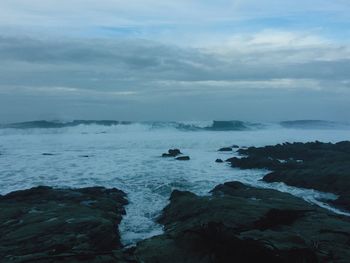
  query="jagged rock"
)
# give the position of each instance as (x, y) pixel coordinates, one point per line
(43, 224)
(315, 165)
(238, 223)
(219, 161)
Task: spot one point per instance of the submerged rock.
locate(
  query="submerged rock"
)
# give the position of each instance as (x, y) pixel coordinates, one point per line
(43, 224)
(238, 223)
(183, 158)
(219, 161)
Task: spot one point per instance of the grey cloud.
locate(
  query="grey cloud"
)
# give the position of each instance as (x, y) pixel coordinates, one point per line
(155, 61)
(137, 79)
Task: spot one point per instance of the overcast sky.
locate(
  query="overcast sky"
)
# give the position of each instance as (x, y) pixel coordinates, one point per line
(257, 60)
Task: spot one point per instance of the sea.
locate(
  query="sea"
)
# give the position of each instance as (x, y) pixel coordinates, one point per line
(127, 155)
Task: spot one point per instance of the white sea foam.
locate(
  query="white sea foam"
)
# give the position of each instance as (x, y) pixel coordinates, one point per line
(128, 157)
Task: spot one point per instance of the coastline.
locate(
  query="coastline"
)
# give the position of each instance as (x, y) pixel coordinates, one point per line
(196, 228)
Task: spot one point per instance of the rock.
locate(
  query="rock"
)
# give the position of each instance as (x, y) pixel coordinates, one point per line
(238, 223)
(219, 161)
(175, 152)
(253, 163)
(43, 224)
(225, 149)
(183, 158)
(235, 146)
(278, 217)
(316, 165)
(47, 154)
(172, 153)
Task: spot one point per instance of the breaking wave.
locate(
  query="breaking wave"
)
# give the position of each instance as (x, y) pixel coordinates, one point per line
(113, 126)
(313, 124)
(186, 126)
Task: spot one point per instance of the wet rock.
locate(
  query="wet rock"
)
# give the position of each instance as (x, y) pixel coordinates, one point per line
(238, 223)
(183, 158)
(43, 224)
(235, 146)
(175, 152)
(224, 245)
(172, 153)
(219, 161)
(225, 149)
(278, 217)
(251, 162)
(47, 154)
(316, 165)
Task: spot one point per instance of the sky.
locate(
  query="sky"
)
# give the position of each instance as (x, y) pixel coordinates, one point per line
(254, 60)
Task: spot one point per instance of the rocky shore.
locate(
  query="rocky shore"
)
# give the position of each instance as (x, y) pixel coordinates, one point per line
(234, 223)
(43, 224)
(314, 165)
(238, 223)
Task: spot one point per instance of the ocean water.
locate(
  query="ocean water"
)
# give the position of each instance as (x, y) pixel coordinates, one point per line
(127, 156)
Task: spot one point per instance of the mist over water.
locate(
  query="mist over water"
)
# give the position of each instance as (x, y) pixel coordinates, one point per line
(127, 156)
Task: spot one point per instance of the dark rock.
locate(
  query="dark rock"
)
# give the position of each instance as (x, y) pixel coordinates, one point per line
(239, 223)
(183, 158)
(48, 154)
(316, 165)
(43, 224)
(277, 217)
(172, 153)
(219, 161)
(229, 186)
(175, 152)
(223, 245)
(225, 149)
(176, 194)
(235, 146)
(251, 162)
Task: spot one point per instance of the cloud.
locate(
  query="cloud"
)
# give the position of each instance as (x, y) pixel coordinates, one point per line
(142, 56)
(181, 22)
(138, 64)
